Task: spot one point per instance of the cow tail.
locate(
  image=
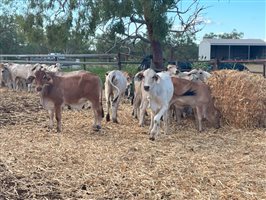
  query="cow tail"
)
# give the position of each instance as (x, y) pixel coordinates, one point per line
(111, 79)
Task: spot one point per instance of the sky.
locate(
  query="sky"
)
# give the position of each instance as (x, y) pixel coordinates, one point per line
(247, 16)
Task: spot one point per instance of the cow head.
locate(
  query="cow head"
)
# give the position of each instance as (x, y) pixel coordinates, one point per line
(172, 69)
(42, 78)
(149, 78)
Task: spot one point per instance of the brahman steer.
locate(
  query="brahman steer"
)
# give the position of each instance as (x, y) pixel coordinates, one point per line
(140, 101)
(57, 91)
(198, 96)
(160, 91)
(115, 88)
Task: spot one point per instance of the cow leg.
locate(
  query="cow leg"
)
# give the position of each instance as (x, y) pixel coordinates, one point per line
(97, 111)
(199, 114)
(108, 105)
(152, 122)
(135, 107)
(177, 110)
(29, 87)
(156, 124)
(114, 109)
(16, 84)
(51, 118)
(166, 122)
(143, 106)
(58, 117)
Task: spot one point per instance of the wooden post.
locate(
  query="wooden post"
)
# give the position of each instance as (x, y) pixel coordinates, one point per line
(119, 61)
(84, 65)
(215, 62)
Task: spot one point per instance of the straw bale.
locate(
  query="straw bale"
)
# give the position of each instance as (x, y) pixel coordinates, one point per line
(120, 162)
(241, 97)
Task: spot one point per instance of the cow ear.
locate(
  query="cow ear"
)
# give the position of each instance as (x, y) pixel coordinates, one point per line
(139, 76)
(34, 68)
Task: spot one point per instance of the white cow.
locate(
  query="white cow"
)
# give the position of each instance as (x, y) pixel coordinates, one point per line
(195, 75)
(5, 76)
(172, 69)
(115, 87)
(140, 100)
(20, 73)
(160, 90)
(51, 68)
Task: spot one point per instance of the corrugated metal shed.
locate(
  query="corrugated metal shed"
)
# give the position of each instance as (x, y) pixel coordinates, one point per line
(250, 42)
(232, 49)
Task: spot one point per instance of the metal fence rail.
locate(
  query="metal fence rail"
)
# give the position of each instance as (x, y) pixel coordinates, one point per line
(104, 59)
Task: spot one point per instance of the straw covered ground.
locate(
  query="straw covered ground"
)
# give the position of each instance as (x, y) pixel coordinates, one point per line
(120, 162)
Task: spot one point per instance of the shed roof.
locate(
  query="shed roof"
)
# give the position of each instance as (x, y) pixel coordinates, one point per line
(250, 42)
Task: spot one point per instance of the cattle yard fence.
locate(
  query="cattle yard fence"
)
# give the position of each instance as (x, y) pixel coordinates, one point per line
(111, 59)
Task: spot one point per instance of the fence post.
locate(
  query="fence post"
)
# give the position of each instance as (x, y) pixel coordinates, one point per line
(119, 61)
(216, 64)
(264, 70)
(84, 65)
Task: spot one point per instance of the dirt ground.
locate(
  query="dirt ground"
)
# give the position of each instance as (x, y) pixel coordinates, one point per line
(120, 162)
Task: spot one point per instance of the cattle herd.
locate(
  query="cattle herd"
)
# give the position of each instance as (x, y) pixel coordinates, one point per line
(168, 95)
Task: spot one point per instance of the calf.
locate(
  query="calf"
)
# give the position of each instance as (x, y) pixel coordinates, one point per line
(160, 91)
(57, 91)
(198, 96)
(115, 88)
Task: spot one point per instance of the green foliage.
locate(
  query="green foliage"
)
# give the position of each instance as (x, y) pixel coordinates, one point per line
(201, 65)
(181, 48)
(101, 70)
(233, 35)
(70, 27)
(11, 40)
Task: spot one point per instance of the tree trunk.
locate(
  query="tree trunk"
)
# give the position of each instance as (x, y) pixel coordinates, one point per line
(172, 52)
(157, 54)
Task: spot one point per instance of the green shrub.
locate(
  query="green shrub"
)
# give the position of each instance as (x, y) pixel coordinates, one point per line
(102, 69)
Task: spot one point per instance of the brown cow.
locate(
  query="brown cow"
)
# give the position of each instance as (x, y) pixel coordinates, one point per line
(198, 96)
(56, 91)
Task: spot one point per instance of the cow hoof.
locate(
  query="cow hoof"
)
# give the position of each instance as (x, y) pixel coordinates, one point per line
(96, 128)
(152, 138)
(115, 121)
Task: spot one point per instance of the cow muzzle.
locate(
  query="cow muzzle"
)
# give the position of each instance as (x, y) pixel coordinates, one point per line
(146, 88)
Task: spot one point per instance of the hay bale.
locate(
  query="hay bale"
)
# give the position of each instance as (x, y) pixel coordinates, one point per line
(241, 97)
